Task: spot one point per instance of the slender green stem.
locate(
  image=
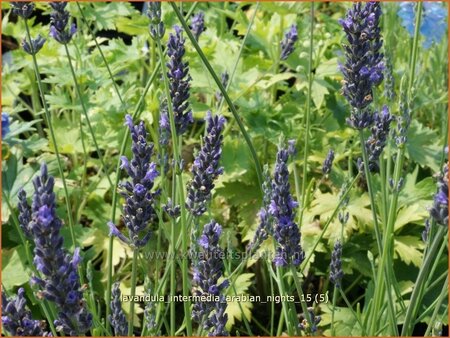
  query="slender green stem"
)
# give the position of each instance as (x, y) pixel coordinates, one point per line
(437, 307)
(282, 288)
(52, 135)
(133, 291)
(308, 113)
(333, 332)
(413, 53)
(223, 91)
(301, 296)
(86, 115)
(417, 290)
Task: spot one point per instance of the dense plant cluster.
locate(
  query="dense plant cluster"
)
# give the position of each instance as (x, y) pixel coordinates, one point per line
(192, 169)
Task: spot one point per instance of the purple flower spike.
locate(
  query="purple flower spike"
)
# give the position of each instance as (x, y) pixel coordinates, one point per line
(139, 199)
(206, 166)
(23, 9)
(59, 270)
(207, 272)
(17, 320)
(328, 163)
(286, 231)
(59, 21)
(439, 210)
(363, 68)
(287, 44)
(336, 272)
(179, 79)
(117, 317)
(198, 24)
(378, 138)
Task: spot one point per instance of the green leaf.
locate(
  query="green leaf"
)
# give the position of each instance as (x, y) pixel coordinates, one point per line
(408, 249)
(233, 310)
(13, 270)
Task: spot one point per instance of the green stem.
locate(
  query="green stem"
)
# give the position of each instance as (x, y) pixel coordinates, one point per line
(437, 307)
(282, 288)
(83, 106)
(177, 156)
(308, 113)
(413, 53)
(333, 333)
(133, 291)
(53, 137)
(301, 296)
(224, 93)
(417, 290)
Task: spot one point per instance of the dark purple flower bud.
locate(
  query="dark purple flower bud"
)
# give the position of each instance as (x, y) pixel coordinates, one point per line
(35, 46)
(179, 79)
(208, 269)
(224, 80)
(313, 319)
(360, 119)
(378, 138)
(282, 205)
(287, 44)
(16, 318)
(138, 210)
(59, 19)
(150, 317)
(198, 24)
(24, 213)
(156, 27)
(426, 231)
(328, 163)
(206, 166)
(363, 68)
(117, 317)
(439, 209)
(336, 272)
(59, 282)
(23, 9)
(292, 149)
(171, 209)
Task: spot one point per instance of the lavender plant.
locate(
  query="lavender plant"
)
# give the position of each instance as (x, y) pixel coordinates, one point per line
(206, 166)
(363, 68)
(179, 78)
(59, 280)
(117, 318)
(287, 44)
(207, 272)
(17, 319)
(59, 29)
(282, 209)
(139, 204)
(198, 24)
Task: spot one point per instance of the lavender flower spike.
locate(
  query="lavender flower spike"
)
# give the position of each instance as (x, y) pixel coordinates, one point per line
(179, 79)
(198, 24)
(59, 20)
(24, 214)
(117, 317)
(328, 163)
(207, 272)
(439, 210)
(156, 27)
(336, 272)
(35, 46)
(138, 210)
(287, 44)
(23, 9)
(59, 282)
(363, 68)
(206, 166)
(378, 139)
(16, 319)
(286, 231)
